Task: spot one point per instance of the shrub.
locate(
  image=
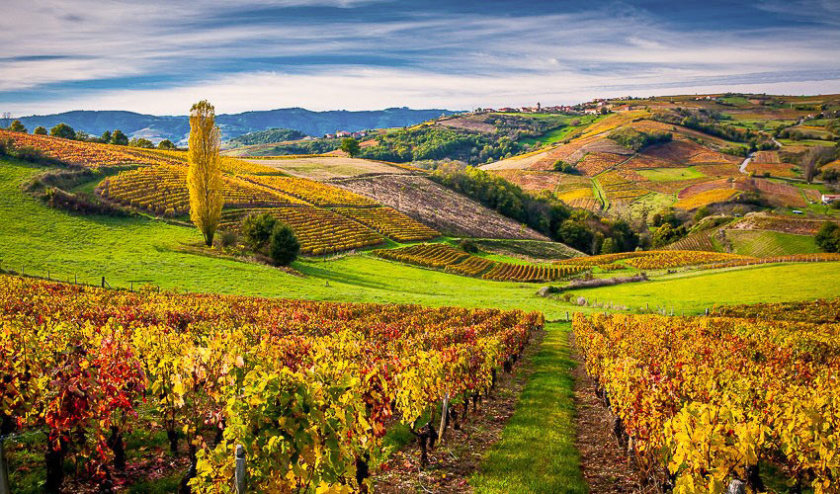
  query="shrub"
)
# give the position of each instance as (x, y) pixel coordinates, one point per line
(828, 238)
(468, 246)
(226, 238)
(257, 230)
(40, 131)
(284, 245)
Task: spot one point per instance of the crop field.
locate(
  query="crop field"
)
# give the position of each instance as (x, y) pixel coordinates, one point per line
(779, 194)
(595, 163)
(679, 258)
(457, 261)
(675, 421)
(765, 243)
(527, 249)
(162, 190)
(701, 240)
(784, 224)
(325, 168)
(311, 191)
(87, 367)
(88, 154)
(782, 170)
(670, 174)
(706, 198)
(533, 181)
(391, 223)
(438, 207)
(319, 231)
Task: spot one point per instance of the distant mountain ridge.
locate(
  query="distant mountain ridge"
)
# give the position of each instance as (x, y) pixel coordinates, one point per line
(176, 128)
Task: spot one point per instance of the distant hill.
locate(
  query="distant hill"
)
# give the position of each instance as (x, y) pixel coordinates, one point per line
(176, 128)
(265, 137)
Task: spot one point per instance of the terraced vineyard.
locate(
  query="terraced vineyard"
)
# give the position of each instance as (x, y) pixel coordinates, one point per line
(390, 223)
(311, 191)
(162, 190)
(319, 231)
(86, 154)
(454, 260)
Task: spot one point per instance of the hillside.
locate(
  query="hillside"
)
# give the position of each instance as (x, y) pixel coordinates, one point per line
(721, 149)
(176, 128)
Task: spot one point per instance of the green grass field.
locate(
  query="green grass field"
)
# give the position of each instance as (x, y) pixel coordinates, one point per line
(670, 174)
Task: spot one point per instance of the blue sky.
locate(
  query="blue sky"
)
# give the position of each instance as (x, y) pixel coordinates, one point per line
(160, 56)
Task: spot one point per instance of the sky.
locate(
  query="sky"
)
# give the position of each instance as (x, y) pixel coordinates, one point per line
(160, 56)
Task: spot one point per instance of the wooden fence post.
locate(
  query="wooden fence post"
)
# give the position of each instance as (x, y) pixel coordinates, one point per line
(103, 282)
(240, 472)
(4, 470)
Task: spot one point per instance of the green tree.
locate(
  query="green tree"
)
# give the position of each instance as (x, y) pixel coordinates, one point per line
(63, 130)
(284, 245)
(119, 138)
(139, 142)
(256, 230)
(350, 146)
(204, 176)
(828, 238)
(106, 137)
(609, 246)
(166, 144)
(575, 234)
(702, 213)
(40, 131)
(17, 126)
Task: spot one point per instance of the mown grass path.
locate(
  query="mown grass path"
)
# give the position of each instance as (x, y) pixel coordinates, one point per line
(537, 452)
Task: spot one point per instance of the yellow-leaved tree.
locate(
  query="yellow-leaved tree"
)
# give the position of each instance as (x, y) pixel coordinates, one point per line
(204, 178)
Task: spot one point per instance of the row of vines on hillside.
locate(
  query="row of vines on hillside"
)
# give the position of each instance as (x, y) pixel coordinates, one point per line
(451, 259)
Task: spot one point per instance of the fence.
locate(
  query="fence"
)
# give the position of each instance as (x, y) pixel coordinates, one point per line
(47, 274)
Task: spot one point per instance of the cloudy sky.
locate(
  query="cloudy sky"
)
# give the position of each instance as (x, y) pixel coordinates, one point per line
(159, 56)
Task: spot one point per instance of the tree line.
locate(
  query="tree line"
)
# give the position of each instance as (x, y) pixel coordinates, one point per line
(578, 228)
(116, 137)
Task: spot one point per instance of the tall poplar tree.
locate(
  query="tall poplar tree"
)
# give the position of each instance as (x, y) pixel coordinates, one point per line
(204, 178)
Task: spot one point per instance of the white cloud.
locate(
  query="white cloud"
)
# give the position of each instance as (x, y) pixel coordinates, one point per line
(363, 89)
(442, 59)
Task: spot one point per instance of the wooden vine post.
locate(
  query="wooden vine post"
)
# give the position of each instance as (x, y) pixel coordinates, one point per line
(4, 469)
(239, 475)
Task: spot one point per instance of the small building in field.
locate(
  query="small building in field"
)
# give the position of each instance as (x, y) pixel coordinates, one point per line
(829, 198)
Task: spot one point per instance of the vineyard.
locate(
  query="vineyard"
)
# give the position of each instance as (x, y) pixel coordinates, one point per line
(448, 258)
(319, 231)
(706, 198)
(391, 223)
(87, 154)
(163, 190)
(702, 401)
(679, 258)
(310, 191)
(306, 389)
